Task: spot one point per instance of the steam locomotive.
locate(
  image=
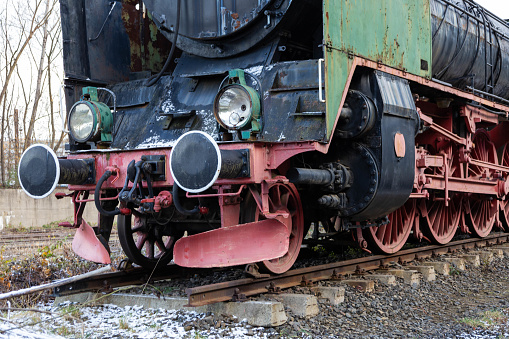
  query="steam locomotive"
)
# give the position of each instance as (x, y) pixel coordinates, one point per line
(220, 132)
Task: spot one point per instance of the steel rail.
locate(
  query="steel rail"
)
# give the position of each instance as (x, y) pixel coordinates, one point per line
(237, 289)
(106, 282)
(233, 290)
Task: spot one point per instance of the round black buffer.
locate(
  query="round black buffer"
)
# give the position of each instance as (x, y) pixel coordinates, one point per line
(196, 162)
(40, 171)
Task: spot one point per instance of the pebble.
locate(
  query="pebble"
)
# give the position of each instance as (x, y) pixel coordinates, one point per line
(433, 310)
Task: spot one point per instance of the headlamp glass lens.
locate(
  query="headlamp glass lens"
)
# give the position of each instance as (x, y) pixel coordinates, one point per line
(234, 107)
(81, 122)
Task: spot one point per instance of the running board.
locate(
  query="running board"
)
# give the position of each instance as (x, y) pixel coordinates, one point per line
(234, 245)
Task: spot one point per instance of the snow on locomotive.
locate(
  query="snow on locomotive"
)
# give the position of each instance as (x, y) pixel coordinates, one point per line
(219, 132)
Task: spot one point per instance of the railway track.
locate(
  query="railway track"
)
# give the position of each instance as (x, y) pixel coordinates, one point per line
(242, 288)
(38, 235)
(10, 237)
(23, 243)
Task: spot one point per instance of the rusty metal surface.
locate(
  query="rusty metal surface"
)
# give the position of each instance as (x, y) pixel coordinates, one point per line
(204, 295)
(149, 47)
(395, 33)
(434, 39)
(157, 116)
(291, 109)
(273, 157)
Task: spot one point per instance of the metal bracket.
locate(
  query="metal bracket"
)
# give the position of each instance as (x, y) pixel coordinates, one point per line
(336, 276)
(158, 165)
(272, 288)
(176, 115)
(189, 123)
(253, 270)
(237, 296)
(306, 282)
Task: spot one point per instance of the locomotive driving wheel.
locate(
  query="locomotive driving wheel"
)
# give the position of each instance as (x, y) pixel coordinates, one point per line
(282, 198)
(442, 221)
(144, 241)
(504, 205)
(483, 209)
(390, 238)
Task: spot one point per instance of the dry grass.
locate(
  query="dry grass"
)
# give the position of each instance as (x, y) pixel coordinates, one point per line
(487, 319)
(31, 263)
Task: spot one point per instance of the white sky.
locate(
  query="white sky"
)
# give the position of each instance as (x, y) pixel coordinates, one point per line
(497, 7)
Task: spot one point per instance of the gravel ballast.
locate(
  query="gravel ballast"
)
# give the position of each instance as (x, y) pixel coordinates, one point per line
(466, 304)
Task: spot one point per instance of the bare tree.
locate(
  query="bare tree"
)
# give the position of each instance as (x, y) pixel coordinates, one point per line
(53, 52)
(40, 72)
(14, 52)
(29, 40)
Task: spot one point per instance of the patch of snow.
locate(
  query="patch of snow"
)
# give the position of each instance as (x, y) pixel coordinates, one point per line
(155, 141)
(111, 321)
(168, 106)
(255, 70)
(11, 330)
(209, 122)
(269, 67)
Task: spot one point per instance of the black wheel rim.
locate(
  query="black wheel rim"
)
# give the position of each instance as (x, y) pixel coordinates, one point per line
(145, 243)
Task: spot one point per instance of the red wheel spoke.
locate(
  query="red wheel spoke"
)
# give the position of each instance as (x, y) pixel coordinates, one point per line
(381, 232)
(285, 198)
(137, 229)
(140, 242)
(276, 194)
(504, 205)
(483, 212)
(169, 243)
(150, 249)
(272, 206)
(390, 238)
(440, 222)
(160, 245)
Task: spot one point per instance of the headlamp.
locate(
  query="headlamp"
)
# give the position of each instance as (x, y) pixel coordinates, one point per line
(233, 107)
(237, 106)
(83, 121)
(90, 119)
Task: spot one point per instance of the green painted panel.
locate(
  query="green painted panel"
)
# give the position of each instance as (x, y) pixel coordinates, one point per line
(337, 69)
(396, 33)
